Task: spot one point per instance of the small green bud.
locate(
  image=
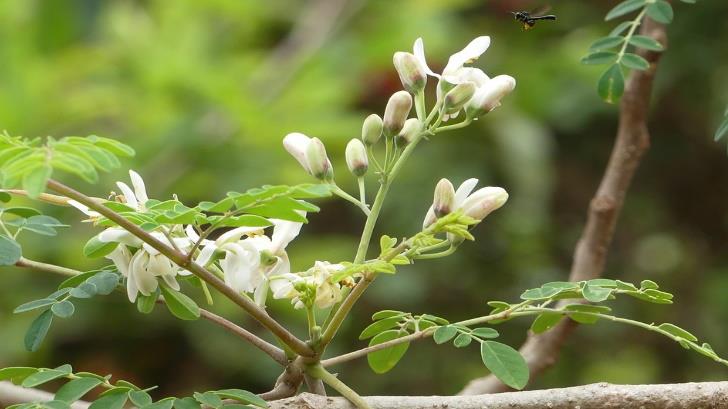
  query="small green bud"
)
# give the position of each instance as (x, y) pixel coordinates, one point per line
(317, 161)
(410, 72)
(444, 199)
(371, 130)
(396, 112)
(457, 97)
(356, 158)
(410, 129)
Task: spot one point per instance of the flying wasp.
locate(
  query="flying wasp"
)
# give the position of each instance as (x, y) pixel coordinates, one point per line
(529, 19)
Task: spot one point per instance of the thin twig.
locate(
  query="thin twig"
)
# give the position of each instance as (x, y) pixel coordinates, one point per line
(632, 141)
(274, 352)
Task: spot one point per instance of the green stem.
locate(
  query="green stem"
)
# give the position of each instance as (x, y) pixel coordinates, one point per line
(420, 105)
(51, 268)
(342, 194)
(635, 23)
(459, 125)
(362, 191)
(318, 371)
(183, 261)
(441, 254)
(339, 313)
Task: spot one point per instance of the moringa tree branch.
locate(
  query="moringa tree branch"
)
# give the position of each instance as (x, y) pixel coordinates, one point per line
(594, 396)
(541, 351)
(703, 395)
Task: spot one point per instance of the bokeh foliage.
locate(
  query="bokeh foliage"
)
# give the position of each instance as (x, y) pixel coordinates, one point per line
(204, 93)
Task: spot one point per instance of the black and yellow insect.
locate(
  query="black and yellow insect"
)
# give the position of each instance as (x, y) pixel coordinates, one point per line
(529, 19)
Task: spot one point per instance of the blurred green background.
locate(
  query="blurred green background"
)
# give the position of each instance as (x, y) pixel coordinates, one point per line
(206, 90)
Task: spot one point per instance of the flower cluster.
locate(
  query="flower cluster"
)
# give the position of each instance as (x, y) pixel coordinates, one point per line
(459, 87)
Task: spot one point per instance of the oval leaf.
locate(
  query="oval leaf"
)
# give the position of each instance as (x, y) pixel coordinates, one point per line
(611, 84)
(606, 43)
(96, 248)
(34, 305)
(600, 57)
(660, 11)
(180, 305)
(444, 334)
(242, 396)
(384, 360)
(634, 62)
(505, 363)
(648, 43)
(76, 389)
(63, 309)
(38, 331)
(10, 251)
(624, 8)
(462, 340)
(379, 326)
(545, 322)
(677, 331)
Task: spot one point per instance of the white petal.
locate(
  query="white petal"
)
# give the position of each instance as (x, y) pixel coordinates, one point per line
(463, 191)
(121, 257)
(131, 289)
(296, 144)
(485, 200)
(144, 280)
(470, 53)
(430, 218)
(261, 293)
(171, 282)
(235, 234)
(283, 233)
(241, 267)
(191, 233)
(419, 52)
(129, 197)
(119, 235)
(472, 74)
(140, 190)
(83, 208)
(205, 254)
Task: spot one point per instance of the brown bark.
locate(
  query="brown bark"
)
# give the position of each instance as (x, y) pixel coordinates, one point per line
(632, 141)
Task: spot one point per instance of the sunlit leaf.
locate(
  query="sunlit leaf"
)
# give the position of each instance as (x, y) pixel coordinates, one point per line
(505, 363)
(384, 360)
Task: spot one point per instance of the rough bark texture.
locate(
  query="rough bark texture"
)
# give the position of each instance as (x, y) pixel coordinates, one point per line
(595, 396)
(633, 140)
(704, 395)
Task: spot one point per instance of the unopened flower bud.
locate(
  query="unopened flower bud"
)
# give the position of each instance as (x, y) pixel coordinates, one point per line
(371, 130)
(459, 96)
(481, 203)
(444, 199)
(410, 72)
(318, 163)
(296, 143)
(396, 112)
(356, 157)
(410, 129)
(488, 96)
(429, 218)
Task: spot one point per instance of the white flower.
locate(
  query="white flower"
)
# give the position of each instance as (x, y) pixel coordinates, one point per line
(310, 288)
(248, 263)
(146, 265)
(476, 205)
(455, 72)
(488, 96)
(136, 198)
(310, 153)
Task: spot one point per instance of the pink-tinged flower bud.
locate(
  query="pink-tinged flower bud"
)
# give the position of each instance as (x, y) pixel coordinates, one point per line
(409, 131)
(356, 158)
(410, 72)
(318, 163)
(488, 96)
(396, 112)
(371, 130)
(457, 97)
(444, 199)
(481, 203)
(296, 144)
